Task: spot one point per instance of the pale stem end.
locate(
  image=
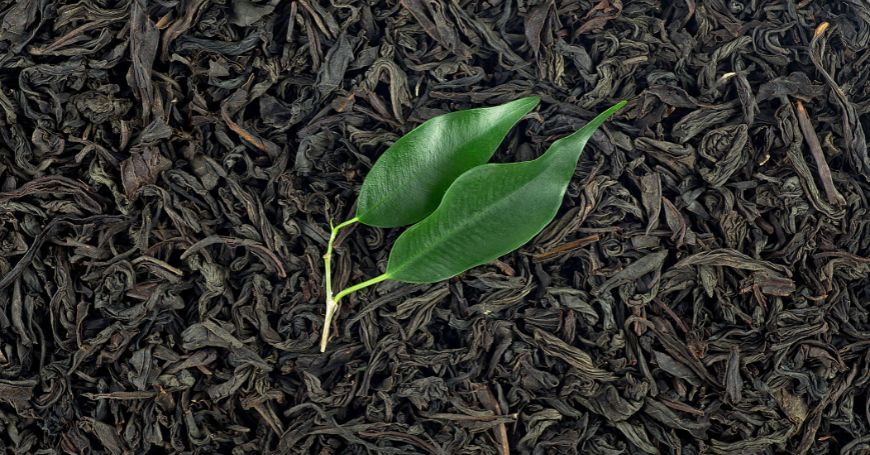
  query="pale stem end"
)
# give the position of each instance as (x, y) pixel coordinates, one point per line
(327, 322)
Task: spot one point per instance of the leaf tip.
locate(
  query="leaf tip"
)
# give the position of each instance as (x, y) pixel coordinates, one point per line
(604, 116)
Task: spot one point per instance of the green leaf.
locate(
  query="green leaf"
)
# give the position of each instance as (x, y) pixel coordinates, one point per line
(489, 211)
(408, 181)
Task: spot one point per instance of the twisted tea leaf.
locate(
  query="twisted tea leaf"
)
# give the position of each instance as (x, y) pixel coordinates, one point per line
(409, 179)
(489, 211)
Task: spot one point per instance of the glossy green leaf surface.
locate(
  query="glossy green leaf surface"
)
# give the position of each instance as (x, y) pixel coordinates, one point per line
(489, 211)
(409, 180)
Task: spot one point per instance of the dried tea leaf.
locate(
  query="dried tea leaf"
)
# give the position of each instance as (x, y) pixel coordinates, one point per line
(142, 168)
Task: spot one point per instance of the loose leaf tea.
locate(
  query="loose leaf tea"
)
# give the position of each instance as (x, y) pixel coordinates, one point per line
(169, 172)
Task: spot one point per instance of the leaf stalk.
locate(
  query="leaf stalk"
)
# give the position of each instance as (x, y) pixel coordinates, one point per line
(362, 285)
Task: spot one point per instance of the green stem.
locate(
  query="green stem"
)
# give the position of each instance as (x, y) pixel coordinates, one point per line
(362, 285)
(327, 270)
(327, 258)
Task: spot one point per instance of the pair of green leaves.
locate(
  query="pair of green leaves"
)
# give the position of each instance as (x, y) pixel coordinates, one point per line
(467, 212)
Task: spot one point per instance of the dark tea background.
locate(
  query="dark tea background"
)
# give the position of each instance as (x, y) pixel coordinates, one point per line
(169, 169)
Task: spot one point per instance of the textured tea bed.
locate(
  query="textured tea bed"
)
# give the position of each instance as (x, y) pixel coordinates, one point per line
(169, 171)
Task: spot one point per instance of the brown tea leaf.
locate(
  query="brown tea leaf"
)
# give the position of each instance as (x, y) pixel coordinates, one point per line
(142, 168)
